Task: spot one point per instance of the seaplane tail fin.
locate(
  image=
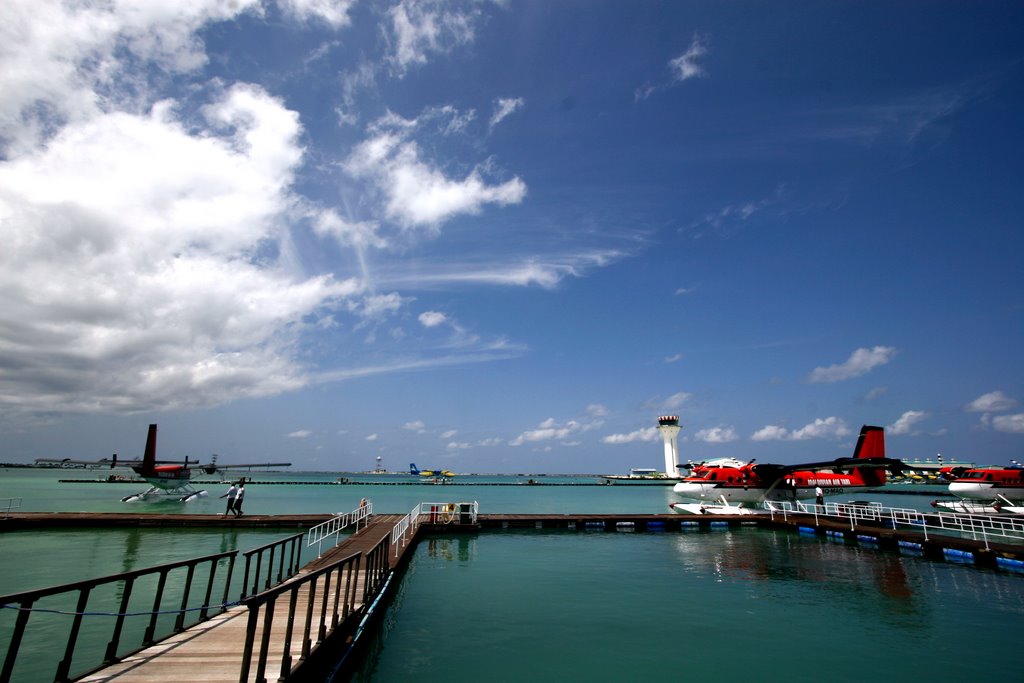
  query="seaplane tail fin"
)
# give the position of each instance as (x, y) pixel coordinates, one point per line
(871, 443)
(413, 469)
(149, 457)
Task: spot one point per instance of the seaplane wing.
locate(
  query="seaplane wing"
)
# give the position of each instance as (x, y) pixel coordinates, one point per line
(212, 467)
(769, 471)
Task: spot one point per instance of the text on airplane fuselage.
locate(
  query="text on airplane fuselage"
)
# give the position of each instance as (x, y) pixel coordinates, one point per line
(829, 482)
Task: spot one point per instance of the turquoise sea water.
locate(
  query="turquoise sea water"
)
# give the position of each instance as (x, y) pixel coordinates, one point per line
(730, 605)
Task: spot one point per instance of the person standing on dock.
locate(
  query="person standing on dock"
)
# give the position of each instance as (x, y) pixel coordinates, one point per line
(230, 495)
(238, 499)
(819, 496)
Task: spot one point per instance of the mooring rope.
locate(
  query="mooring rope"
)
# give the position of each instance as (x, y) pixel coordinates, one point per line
(45, 610)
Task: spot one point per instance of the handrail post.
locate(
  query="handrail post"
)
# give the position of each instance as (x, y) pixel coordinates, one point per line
(289, 631)
(25, 610)
(250, 638)
(147, 638)
(179, 622)
(203, 613)
(110, 656)
(227, 580)
(64, 666)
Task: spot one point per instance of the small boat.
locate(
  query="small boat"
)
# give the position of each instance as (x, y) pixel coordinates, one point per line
(639, 476)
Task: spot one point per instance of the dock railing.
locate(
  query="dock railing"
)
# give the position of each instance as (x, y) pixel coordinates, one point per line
(321, 532)
(8, 504)
(289, 546)
(25, 603)
(433, 513)
(976, 527)
(328, 608)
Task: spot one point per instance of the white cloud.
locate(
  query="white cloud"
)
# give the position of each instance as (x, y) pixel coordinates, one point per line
(676, 401)
(64, 62)
(723, 434)
(418, 194)
(372, 437)
(597, 410)
(547, 274)
(550, 429)
(674, 358)
(418, 426)
(420, 28)
(449, 434)
(333, 12)
(994, 401)
(686, 65)
(830, 427)
(876, 393)
(1011, 424)
(300, 434)
(432, 318)
(646, 434)
(504, 107)
(905, 425)
(328, 223)
(770, 433)
(131, 285)
(859, 363)
(378, 305)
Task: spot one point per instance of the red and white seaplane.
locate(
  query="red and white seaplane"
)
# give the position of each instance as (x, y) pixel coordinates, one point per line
(987, 490)
(164, 477)
(742, 488)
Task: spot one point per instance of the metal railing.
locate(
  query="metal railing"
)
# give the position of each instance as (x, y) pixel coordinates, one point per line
(405, 529)
(434, 513)
(26, 600)
(332, 527)
(288, 545)
(976, 527)
(328, 608)
(8, 504)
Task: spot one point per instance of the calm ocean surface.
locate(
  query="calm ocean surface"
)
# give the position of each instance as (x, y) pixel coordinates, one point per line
(730, 605)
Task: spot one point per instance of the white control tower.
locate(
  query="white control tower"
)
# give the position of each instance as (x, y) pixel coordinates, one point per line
(669, 427)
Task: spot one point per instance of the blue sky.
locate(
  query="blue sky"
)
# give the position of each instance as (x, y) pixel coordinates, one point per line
(506, 236)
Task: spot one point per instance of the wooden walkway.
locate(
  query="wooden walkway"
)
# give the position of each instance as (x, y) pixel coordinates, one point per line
(213, 650)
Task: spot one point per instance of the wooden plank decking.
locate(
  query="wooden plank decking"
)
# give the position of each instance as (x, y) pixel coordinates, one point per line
(213, 650)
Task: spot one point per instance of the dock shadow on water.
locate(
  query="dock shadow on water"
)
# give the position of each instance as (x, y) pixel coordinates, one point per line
(723, 605)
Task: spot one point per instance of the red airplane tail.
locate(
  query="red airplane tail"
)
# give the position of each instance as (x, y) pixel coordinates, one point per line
(149, 457)
(871, 444)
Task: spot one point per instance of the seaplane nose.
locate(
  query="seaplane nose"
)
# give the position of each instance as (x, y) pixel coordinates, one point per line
(688, 489)
(964, 488)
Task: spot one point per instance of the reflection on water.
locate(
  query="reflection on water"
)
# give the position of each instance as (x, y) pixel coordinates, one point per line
(720, 605)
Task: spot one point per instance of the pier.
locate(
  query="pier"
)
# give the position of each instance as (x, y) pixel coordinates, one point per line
(291, 623)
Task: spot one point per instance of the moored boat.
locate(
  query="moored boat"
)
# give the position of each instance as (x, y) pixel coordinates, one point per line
(639, 476)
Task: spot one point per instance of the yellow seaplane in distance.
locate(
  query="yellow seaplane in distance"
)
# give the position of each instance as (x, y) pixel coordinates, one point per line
(429, 473)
